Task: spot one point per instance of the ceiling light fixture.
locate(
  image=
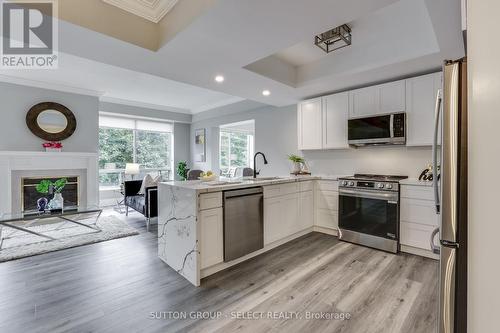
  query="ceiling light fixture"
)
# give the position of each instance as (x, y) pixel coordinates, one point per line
(219, 79)
(334, 39)
(266, 92)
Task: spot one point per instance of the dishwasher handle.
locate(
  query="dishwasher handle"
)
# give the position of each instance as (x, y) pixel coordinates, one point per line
(242, 192)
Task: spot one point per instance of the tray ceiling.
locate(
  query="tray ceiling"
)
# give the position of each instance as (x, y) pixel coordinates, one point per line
(152, 10)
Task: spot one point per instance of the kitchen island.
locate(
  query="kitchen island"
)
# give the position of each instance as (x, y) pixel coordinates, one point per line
(190, 220)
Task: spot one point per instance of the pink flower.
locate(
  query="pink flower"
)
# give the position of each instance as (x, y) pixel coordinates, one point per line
(56, 145)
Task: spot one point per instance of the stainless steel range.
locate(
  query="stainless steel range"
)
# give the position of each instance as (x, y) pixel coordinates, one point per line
(369, 211)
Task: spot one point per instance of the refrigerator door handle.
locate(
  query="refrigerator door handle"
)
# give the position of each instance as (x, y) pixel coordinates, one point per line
(435, 249)
(447, 290)
(437, 114)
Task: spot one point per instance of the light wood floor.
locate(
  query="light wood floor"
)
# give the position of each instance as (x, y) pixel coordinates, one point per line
(119, 285)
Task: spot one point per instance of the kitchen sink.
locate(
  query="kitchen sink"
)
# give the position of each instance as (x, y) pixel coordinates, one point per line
(261, 179)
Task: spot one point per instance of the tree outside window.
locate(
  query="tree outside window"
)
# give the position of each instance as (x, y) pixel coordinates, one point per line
(131, 142)
(236, 149)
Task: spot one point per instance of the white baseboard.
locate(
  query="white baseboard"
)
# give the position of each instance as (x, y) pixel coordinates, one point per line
(328, 231)
(419, 252)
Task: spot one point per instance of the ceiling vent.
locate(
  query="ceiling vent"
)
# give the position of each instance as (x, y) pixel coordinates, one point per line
(334, 39)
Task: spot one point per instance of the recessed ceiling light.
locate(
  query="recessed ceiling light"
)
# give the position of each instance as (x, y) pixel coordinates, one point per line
(219, 79)
(266, 92)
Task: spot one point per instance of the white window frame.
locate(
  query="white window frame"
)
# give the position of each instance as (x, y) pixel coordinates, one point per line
(141, 121)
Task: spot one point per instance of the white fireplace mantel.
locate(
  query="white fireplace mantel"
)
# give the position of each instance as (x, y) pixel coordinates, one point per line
(11, 161)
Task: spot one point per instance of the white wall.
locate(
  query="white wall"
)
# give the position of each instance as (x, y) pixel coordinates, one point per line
(484, 165)
(16, 100)
(276, 136)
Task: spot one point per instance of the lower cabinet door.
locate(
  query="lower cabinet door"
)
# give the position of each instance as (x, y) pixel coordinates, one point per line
(212, 237)
(327, 218)
(416, 235)
(281, 216)
(306, 210)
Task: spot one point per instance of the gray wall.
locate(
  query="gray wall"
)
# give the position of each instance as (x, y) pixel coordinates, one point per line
(16, 100)
(181, 144)
(276, 136)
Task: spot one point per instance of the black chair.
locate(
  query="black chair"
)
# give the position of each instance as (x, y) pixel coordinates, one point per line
(146, 204)
(194, 174)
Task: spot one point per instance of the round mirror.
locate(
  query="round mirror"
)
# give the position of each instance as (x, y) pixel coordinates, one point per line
(52, 121)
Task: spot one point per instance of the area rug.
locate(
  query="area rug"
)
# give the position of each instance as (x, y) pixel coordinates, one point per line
(19, 244)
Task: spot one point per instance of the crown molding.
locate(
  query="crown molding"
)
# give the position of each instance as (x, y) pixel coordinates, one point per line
(151, 10)
(48, 85)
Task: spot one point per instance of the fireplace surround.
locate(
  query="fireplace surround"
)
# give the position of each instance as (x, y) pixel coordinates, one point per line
(14, 166)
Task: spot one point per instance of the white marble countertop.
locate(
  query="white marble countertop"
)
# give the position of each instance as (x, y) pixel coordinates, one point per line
(415, 182)
(230, 184)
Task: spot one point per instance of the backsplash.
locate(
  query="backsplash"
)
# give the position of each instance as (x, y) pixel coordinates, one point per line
(408, 161)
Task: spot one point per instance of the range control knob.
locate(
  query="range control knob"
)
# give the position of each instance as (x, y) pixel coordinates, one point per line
(351, 183)
(344, 183)
(381, 185)
(389, 186)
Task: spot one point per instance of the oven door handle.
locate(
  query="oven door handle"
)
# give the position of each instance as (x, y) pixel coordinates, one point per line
(392, 198)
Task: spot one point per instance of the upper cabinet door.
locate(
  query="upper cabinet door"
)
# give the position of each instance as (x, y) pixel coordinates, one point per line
(335, 115)
(392, 97)
(364, 102)
(309, 124)
(380, 99)
(421, 95)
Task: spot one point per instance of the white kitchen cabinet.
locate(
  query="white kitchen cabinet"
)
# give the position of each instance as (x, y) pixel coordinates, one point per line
(335, 115)
(309, 123)
(212, 237)
(326, 201)
(380, 99)
(281, 217)
(418, 219)
(306, 210)
(392, 97)
(327, 219)
(364, 102)
(419, 211)
(421, 95)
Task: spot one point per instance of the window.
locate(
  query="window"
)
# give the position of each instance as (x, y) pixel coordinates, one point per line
(127, 140)
(236, 147)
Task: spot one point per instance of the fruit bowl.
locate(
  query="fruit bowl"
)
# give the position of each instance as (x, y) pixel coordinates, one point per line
(208, 178)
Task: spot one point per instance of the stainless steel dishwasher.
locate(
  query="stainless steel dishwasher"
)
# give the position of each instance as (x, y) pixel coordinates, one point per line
(243, 222)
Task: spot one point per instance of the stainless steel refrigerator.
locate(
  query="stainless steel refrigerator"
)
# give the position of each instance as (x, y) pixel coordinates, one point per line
(450, 156)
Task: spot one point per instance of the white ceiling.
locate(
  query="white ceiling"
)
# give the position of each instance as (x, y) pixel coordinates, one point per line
(300, 54)
(391, 39)
(115, 84)
(152, 10)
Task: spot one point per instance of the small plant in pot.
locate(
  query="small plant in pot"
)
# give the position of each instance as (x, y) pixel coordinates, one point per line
(182, 170)
(48, 187)
(297, 163)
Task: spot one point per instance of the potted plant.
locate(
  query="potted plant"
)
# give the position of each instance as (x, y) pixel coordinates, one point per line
(297, 163)
(48, 187)
(182, 170)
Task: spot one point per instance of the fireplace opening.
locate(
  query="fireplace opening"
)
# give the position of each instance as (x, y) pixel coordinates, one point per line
(30, 194)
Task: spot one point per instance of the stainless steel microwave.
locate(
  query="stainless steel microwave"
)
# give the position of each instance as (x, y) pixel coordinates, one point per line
(388, 129)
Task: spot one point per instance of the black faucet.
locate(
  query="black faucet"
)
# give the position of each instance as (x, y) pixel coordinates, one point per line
(255, 172)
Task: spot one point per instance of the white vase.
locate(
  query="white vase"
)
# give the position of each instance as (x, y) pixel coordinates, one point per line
(57, 201)
(297, 167)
